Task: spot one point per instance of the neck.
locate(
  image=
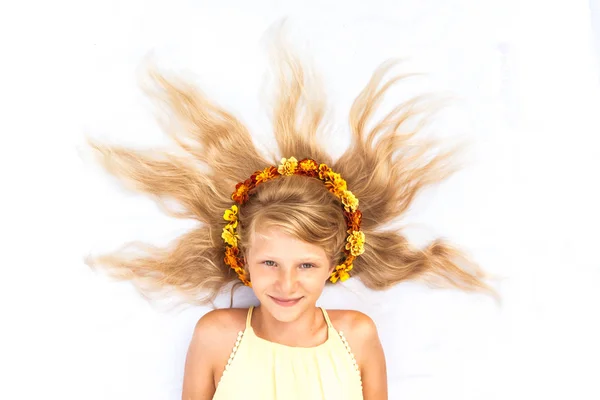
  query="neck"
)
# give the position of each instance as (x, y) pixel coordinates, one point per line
(305, 331)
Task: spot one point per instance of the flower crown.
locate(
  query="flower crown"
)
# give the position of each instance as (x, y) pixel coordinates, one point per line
(307, 167)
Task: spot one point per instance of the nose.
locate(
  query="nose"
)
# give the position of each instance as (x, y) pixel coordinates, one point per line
(287, 280)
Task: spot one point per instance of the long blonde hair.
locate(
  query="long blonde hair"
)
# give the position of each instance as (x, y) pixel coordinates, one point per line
(385, 167)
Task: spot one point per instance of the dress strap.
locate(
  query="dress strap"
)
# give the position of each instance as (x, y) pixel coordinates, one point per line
(249, 317)
(326, 317)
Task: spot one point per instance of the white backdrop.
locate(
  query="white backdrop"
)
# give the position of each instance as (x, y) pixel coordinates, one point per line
(525, 75)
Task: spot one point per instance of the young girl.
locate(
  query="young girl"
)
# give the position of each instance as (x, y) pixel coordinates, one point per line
(286, 227)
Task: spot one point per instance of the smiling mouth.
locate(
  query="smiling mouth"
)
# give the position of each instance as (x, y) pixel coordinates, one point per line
(286, 302)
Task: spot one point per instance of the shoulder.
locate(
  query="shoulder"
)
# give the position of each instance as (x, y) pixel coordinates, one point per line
(220, 320)
(212, 340)
(359, 330)
(352, 323)
(216, 331)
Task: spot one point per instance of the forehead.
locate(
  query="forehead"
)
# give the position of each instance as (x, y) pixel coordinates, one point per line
(276, 242)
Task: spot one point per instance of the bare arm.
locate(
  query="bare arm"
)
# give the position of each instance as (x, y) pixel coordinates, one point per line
(371, 360)
(198, 377)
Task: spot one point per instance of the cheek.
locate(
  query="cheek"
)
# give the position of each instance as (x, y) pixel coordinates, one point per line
(316, 282)
(260, 277)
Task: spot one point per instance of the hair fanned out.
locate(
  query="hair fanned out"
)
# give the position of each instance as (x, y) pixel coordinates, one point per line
(384, 167)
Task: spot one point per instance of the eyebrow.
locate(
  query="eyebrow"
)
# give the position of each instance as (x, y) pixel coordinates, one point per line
(308, 258)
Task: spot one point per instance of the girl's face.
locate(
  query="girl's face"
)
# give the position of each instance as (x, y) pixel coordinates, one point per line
(287, 274)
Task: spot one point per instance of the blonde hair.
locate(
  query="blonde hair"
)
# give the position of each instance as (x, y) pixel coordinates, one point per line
(385, 167)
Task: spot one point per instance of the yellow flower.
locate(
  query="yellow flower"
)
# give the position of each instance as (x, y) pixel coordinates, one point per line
(323, 171)
(229, 234)
(336, 184)
(349, 200)
(340, 273)
(356, 241)
(288, 166)
(231, 214)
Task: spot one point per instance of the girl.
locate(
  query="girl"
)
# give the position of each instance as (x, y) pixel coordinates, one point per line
(286, 227)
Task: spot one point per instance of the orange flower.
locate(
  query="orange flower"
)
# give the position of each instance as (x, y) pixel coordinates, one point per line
(349, 260)
(245, 280)
(240, 195)
(353, 220)
(308, 166)
(266, 174)
(238, 270)
(231, 256)
(288, 166)
(242, 275)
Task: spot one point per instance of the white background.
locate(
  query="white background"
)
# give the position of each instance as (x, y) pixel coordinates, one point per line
(525, 76)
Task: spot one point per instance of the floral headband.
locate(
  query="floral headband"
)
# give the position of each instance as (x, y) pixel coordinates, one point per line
(307, 167)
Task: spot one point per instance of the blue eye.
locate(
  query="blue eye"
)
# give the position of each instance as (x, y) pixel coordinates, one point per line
(269, 263)
(306, 266)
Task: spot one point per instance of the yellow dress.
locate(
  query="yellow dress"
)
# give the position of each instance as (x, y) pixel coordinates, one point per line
(263, 370)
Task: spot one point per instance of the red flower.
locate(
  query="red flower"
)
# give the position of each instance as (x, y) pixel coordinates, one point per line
(308, 167)
(240, 195)
(353, 220)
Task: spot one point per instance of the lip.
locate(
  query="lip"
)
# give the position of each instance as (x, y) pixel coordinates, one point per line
(286, 302)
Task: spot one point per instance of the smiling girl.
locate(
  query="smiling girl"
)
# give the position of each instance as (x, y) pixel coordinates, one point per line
(286, 227)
